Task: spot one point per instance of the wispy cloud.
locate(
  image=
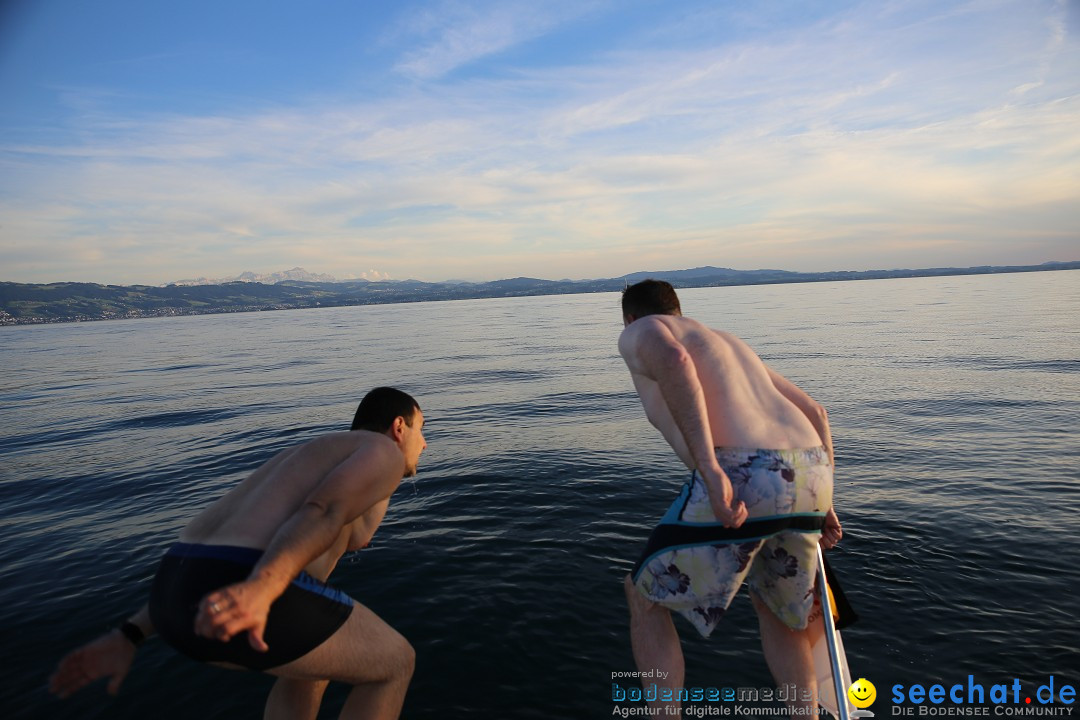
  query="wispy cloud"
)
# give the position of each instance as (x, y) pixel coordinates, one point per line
(451, 34)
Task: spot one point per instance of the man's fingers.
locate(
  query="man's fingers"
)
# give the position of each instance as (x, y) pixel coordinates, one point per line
(215, 603)
(207, 624)
(114, 684)
(226, 628)
(218, 616)
(58, 680)
(213, 625)
(63, 684)
(69, 676)
(741, 512)
(731, 517)
(255, 638)
(737, 515)
(224, 624)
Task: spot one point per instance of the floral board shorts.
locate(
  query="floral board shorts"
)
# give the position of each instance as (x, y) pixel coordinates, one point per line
(694, 565)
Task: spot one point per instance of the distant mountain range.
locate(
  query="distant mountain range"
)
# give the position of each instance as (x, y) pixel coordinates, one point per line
(75, 302)
(298, 274)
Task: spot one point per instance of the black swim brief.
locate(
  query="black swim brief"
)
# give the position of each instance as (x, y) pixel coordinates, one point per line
(306, 614)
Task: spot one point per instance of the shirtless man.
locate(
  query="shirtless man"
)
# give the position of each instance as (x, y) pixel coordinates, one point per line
(759, 497)
(245, 585)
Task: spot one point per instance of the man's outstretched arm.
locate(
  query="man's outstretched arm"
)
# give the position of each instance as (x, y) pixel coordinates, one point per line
(108, 656)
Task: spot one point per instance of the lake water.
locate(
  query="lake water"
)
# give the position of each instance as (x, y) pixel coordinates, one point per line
(954, 404)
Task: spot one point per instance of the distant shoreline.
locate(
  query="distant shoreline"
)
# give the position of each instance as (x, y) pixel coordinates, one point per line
(66, 302)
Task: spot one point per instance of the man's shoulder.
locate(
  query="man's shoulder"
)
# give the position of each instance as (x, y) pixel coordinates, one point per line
(679, 326)
(356, 436)
(695, 334)
(351, 442)
(633, 334)
(646, 329)
(361, 454)
(650, 324)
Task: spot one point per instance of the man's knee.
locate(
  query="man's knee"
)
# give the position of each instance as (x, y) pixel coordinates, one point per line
(395, 662)
(409, 659)
(404, 659)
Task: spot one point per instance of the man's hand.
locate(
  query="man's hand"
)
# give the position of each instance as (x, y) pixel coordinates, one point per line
(831, 532)
(234, 609)
(109, 656)
(720, 497)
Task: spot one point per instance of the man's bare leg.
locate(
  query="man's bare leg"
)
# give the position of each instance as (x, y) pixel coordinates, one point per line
(293, 699)
(788, 654)
(655, 643)
(366, 653)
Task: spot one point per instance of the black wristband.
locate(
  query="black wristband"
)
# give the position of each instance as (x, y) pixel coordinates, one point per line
(132, 632)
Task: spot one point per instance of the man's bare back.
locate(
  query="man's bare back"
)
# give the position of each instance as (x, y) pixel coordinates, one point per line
(744, 407)
(251, 514)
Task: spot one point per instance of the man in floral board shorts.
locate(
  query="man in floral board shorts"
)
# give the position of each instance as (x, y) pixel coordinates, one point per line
(758, 500)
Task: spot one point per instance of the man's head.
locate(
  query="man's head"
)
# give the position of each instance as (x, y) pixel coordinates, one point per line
(391, 412)
(649, 297)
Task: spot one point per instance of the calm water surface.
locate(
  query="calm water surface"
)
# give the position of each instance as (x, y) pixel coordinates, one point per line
(954, 404)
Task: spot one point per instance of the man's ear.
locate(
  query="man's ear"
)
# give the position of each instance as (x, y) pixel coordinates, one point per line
(397, 428)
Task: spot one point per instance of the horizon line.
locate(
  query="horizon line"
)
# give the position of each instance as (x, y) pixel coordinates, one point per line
(336, 281)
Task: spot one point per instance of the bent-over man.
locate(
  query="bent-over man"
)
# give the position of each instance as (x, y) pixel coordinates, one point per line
(245, 585)
(757, 502)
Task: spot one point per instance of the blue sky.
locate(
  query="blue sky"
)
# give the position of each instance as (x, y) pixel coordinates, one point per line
(144, 141)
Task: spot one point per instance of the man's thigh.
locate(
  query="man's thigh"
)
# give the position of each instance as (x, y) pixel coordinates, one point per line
(365, 649)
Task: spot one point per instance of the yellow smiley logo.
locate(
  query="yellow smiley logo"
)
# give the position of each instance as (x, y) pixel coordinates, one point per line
(862, 693)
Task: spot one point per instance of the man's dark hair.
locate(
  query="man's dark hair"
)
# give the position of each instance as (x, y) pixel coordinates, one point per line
(381, 406)
(650, 297)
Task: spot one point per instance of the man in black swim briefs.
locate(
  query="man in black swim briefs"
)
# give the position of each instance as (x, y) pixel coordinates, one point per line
(245, 585)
